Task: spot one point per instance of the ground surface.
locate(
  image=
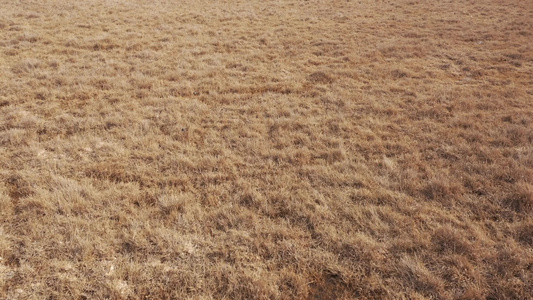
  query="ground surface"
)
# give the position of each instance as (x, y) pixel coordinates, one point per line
(266, 149)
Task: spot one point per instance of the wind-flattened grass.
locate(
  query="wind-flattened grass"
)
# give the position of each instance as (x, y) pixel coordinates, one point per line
(280, 150)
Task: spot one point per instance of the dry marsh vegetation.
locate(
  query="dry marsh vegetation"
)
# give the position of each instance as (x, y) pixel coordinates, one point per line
(266, 149)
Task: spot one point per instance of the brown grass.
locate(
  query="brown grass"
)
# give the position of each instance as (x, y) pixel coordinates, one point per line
(266, 149)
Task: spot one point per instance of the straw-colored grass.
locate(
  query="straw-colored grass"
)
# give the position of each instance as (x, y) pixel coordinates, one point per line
(266, 149)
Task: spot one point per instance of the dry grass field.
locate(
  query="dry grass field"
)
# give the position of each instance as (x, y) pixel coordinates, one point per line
(266, 149)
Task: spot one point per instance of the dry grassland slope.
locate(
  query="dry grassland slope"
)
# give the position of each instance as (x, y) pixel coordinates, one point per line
(266, 149)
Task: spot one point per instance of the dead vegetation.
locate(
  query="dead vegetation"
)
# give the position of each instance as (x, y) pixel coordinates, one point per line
(266, 149)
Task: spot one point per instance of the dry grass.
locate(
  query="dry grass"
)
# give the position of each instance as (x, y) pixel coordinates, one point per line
(266, 149)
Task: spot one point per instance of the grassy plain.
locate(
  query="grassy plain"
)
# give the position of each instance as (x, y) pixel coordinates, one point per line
(266, 149)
